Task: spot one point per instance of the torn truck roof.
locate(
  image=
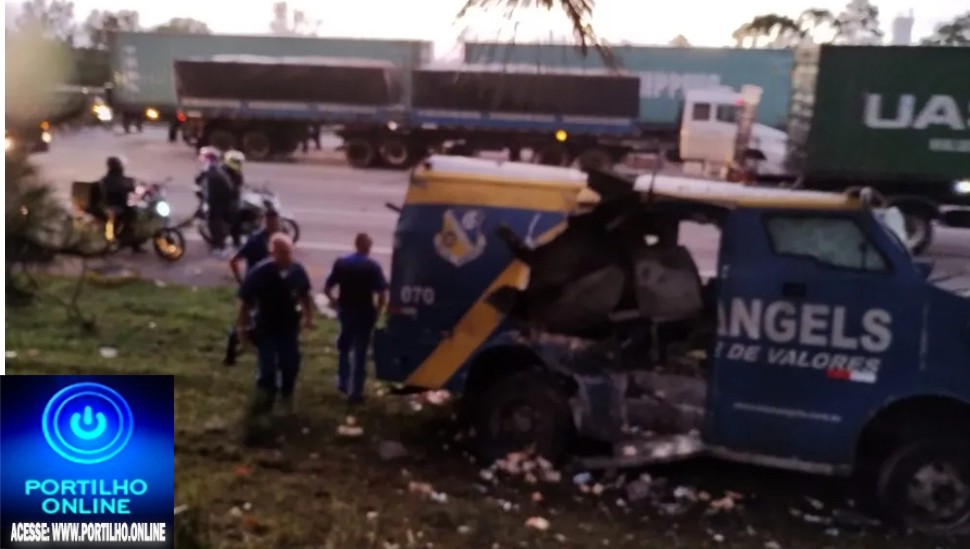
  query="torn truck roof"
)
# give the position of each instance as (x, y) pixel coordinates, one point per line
(499, 183)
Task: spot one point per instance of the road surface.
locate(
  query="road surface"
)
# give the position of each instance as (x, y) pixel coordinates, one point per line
(330, 201)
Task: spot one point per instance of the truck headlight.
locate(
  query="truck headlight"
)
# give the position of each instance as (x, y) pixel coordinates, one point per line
(151, 114)
(103, 113)
(962, 187)
(46, 137)
(162, 209)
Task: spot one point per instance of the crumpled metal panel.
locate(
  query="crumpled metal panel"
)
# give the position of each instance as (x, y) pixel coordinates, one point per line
(668, 285)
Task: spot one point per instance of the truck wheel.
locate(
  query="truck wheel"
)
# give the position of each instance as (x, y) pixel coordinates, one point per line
(925, 484)
(256, 145)
(223, 140)
(360, 153)
(395, 153)
(552, 155)
(523, 411)
(919, 231)
(595, 159)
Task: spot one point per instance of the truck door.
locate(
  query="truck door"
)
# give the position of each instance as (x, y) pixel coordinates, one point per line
(818, 322)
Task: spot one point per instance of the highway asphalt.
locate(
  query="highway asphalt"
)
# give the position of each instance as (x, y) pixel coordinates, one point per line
(331, 202)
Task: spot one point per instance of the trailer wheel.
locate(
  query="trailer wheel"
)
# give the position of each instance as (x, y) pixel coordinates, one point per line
(554, 154)
(360, 153)
(256, 145)
(395, 153)
(595, 159)
(223, 140)
(526, 410)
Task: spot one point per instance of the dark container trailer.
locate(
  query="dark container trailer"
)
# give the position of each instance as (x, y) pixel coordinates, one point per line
(518, 92)
(469, 108)
(144, 78)
(894, 118)
(264, 106)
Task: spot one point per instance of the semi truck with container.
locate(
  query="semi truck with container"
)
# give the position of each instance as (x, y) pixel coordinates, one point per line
(894, 118)
(142, 63)
(394, 117)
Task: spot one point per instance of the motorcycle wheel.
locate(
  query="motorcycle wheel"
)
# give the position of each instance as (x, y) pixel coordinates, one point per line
(291, 228)
(204, 232)
(169, 244)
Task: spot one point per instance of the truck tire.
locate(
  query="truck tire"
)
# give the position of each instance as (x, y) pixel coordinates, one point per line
(553, 154)
(523, 410)
(360, 153)
(256, 145)
(395, 153)
(595, 158)
(221, 139)
(925, 483)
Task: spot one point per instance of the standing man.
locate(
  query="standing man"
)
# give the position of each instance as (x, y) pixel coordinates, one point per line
(251, 253)
(234, 169)
(278, 290)
(358, 278)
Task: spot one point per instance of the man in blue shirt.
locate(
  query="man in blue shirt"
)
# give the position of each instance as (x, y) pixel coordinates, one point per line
(358, 278)
(252, 252)
(278, 289)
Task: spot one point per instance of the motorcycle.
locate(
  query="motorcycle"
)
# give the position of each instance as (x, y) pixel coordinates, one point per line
(151, 220)
(253, 204)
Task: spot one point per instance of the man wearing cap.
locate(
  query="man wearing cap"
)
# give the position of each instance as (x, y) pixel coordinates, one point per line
(251, 253)
(358, 278)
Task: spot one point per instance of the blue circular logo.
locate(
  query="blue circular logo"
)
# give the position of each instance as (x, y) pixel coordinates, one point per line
(87, 423)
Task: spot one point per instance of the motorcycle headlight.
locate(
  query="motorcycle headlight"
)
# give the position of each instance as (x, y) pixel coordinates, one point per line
(962, 187)
(162, 208)
(45, 137)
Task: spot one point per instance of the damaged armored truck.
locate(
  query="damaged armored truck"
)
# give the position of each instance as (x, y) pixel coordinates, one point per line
(567, 307)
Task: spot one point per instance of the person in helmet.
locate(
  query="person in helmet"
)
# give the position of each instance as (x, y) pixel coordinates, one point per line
(115, 188)
(234, 161)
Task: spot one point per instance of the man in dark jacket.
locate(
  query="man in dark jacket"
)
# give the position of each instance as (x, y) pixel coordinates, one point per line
(220, 201)
(252, 252)
(115, 188)
(234, 161)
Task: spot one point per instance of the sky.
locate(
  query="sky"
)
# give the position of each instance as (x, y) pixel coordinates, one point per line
(702, 22)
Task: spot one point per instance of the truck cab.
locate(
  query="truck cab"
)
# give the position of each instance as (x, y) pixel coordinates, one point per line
(567, 308)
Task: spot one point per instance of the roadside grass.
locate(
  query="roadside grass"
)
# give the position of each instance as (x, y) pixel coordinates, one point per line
(311, 488)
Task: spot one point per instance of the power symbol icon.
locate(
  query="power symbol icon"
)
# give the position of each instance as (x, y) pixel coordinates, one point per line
(89, 431)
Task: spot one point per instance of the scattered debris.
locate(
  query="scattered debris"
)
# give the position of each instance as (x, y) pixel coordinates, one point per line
(371, 515)
(816, 504)
(161, 283)
(637, 490)
(420, 488)
(724, 504)
(108, 352)
(718, 538)
(537, 523)
(181, 509)
(772, 544)
(834, 532)
(349, 428)
(464, 529)
(243, 471)
(235, 512)
(536, 497)
(390, 450)
(247, 506)
(582, 478)
(11, 354)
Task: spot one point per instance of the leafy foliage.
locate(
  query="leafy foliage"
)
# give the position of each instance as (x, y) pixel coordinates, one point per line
(101, 24)
(184, 25)
(578, 12)
(952, 33)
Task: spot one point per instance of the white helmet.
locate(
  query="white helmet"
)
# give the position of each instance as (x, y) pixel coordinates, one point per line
(234, 159)
(209, 154)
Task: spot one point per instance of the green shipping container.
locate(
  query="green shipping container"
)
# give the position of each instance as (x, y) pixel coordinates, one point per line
(891, 111)
(665, 72)
(142, 62)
